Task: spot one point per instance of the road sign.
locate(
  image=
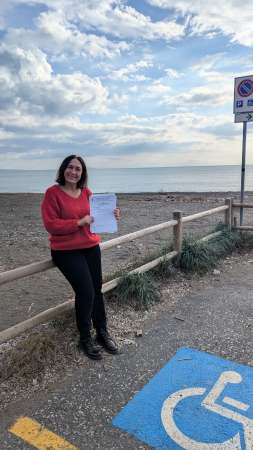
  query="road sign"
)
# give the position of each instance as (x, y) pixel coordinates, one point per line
(243, 111)
(243, 94)
(196, 402)
(245, 87)
(243, 117)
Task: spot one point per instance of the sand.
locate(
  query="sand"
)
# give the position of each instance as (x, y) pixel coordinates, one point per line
(24, 240)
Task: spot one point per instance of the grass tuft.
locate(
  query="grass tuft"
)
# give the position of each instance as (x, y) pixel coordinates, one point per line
(226, 242)
(36, 348)
(202, 256)
(196, 257)
(137, 290)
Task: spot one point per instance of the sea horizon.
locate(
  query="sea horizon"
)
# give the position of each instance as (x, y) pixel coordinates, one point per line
(131, 168)
(198, 178)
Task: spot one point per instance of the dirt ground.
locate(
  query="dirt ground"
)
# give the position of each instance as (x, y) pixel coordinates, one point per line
(24, 240)
(35, 361)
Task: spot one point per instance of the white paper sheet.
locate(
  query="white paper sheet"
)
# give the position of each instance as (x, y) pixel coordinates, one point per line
(101, 208)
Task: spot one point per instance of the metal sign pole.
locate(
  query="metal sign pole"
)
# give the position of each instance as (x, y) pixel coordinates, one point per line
(243, 168)
(243, 111)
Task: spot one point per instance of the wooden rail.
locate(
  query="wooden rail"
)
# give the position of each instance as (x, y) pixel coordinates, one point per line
(52, 313)
(236, 205)
(25, 271)
(209, 212)
(30, 269)
(242, 205)
(244, 228)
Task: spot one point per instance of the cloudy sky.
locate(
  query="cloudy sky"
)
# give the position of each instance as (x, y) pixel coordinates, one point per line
(124, 83)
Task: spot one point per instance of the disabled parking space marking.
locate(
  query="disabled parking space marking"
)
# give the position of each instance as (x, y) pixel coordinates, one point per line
(196, 402)
(38, 436)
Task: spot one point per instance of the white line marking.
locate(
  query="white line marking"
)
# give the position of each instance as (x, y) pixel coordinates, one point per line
(235, 403)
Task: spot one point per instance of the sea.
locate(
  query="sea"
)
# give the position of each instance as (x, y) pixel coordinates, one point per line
(151, 179)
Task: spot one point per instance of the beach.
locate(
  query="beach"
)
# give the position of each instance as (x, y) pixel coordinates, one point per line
(24, 240)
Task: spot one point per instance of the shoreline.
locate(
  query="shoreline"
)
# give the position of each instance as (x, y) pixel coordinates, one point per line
(147, 192)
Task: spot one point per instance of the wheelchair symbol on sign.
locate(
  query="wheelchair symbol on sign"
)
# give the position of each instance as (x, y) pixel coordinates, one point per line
(210, 404)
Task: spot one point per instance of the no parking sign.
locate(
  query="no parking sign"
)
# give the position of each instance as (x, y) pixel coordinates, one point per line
(243, 95)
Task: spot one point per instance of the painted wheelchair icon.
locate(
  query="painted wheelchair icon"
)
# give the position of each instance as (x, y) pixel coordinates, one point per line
(209, 402)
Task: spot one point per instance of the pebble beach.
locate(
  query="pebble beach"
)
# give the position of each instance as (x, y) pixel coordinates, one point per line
(24, 240)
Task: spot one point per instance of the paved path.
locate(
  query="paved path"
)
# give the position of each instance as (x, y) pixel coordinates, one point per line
(216, 318)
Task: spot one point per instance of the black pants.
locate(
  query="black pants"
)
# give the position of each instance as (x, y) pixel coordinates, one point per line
(82, 268)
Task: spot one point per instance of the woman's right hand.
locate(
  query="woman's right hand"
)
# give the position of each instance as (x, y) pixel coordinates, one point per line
(86, 220)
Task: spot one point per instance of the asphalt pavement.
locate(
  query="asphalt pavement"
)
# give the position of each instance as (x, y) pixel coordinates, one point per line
(215, 317)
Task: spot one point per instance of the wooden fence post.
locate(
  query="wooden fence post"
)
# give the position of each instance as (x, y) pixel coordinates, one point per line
(228, 213)
(178, 231)
(233, 216)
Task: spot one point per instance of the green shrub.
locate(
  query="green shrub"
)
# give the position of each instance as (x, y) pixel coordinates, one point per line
(196, 256)
(201, 256)
(226, 242)
(137, 290)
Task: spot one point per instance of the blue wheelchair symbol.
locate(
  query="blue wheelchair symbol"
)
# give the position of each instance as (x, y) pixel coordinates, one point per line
(196, 402)
(250, 102)
(209, 402)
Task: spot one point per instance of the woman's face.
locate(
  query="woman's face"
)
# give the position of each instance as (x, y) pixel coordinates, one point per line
(73, 172)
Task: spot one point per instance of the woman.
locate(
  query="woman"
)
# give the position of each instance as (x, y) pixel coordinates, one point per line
(76, 252)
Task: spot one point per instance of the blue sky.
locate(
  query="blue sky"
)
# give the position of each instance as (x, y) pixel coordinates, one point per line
(122, 83)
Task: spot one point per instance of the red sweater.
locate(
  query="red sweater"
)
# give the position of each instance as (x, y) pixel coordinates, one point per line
(60, 213)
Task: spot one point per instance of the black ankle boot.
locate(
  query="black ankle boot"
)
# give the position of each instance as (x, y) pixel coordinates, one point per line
(104, 339)
(90, 348)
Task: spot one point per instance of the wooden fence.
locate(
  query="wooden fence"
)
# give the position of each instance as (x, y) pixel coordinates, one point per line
(176, 223)
(234, 218)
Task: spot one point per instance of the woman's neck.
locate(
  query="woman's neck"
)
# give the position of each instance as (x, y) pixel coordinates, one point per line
(71, 187)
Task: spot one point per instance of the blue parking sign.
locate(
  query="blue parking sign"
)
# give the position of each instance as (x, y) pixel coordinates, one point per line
(239, 103)
(196, 402)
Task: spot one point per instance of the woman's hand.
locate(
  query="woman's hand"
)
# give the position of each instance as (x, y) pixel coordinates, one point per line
(116, 213)
(86, 220)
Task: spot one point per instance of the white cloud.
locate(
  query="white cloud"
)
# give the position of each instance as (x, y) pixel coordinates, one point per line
(172, 73)
(27, 81)
(132, 141)
(157, 88)
(118, 19)
(129, 72)
(58, 37)
(193, 100)
(230, 17)
(25, 64)
(205, 96)
(112, 17)
(50, 84)
(54, 26)
(117, 100)
(127, 130)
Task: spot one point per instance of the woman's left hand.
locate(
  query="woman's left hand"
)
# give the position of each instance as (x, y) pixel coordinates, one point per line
(116, 213)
